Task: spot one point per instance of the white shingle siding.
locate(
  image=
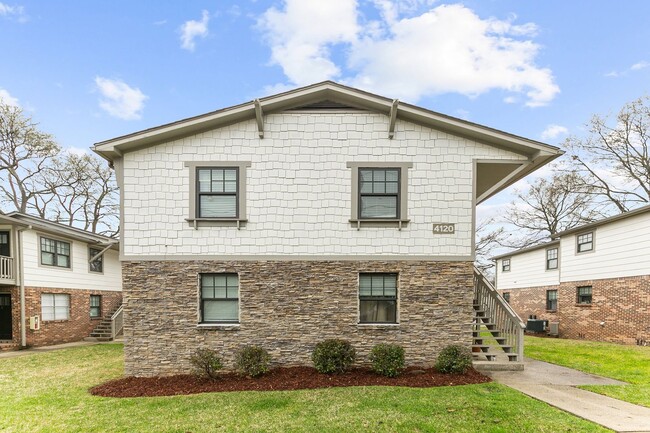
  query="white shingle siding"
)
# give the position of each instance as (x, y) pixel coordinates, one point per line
(78, 276)
(298, 188)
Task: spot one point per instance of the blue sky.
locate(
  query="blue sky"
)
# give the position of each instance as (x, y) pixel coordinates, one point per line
(92, 70)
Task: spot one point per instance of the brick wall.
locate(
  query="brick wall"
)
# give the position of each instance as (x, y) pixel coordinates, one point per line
(287, 307)
(619, 312)
(78, 326)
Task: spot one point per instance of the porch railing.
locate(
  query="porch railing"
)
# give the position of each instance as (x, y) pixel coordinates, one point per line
(117, 322)
(503, 316)
(6, 268)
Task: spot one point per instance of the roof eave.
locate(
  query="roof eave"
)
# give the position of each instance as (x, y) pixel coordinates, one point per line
(525, 250)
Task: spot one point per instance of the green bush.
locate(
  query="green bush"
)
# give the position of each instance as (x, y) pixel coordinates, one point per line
(206, 363)
(333, 356)
(387, 359)
(454, 359)
(252, 361)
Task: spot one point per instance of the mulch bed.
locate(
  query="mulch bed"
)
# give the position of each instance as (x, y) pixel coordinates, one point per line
(279, 379)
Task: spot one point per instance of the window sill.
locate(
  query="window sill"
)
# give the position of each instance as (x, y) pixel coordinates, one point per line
(219, 326)
(378, 325)
(584, 305)
(55, 321)
(379, 222)
(551, 311)
(216, 222)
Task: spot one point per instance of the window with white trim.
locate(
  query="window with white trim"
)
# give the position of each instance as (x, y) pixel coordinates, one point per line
(551, 258)
(505, 265)
(55, 306)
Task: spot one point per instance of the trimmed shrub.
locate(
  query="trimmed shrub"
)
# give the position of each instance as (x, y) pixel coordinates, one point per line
(454, 359)
(333, 356)
(206, 363)
(252, 361)
(387, 359)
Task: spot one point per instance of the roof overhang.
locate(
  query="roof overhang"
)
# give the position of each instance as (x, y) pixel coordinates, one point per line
(537, 153)
(526, 250)
(604, 221)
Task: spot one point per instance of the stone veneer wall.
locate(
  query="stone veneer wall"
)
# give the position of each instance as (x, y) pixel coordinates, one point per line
(287, 307)
(77, 327)
(622, 305)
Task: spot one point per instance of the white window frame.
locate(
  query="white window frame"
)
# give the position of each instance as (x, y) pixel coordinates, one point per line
(54, 296)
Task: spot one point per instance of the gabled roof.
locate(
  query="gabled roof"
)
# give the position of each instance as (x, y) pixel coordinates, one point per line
(25, 220)
(602, 222)
(525, 250)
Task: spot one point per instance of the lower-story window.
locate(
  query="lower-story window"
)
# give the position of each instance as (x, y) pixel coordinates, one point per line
(377, 298)
(506, 297)
(55, 306)
(551, 300)
(95, 306)
(584, 295)
(219, 298)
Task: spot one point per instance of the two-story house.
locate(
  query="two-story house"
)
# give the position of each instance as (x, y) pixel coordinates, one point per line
(57, 283)
(317, 213)
(593, 280)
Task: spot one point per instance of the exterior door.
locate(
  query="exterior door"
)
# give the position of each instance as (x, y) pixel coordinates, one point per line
(5, 316)
(4, 244)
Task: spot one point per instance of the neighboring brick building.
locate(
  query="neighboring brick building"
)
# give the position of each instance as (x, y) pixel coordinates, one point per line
(593, 280)
(47, 267)
(321, 212)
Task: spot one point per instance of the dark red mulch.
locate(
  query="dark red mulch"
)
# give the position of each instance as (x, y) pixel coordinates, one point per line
(279, 379)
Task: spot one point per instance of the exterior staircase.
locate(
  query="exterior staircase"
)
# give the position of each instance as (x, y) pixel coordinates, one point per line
(497, 331)
(109, 328)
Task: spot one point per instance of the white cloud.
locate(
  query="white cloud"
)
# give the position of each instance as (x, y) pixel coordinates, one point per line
(635, 67)
(446, 49)
(301, 34)
(119, 99)
(190, 30)
(17, 12)
(7, 99)
(639, 65)
(554, 131)
(76, 151)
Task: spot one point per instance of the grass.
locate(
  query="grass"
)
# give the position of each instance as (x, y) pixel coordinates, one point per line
(630, 364)
(47, 392)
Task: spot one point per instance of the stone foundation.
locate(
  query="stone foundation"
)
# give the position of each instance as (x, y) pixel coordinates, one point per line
(287, 307)
(78, 326)
(619, 312)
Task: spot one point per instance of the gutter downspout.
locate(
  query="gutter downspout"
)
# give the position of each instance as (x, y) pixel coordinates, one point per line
(21, 273)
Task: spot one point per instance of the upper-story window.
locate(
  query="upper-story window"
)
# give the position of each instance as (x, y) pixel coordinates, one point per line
(96, 265)
(505, 265)
(551, 258)
(379, 192)
(585, 242)
(55, 253)
(4, 244)
(217, 192)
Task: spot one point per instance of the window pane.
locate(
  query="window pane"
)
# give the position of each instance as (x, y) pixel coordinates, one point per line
(60, 313)
(230, 186)
(62, 300)
(378, 207)
(47, 258)
(391, 188)
(379, 187)
(214, 311)
(47, 313)
(230, 174)
(47, 300)
(365, 177)
(377, 311)
(392, 175)
(63, 248)
(63, 261)
(94, 312)
(218, 206)
(217, 175)
(217, 186)
(379, 175)
(390, 285)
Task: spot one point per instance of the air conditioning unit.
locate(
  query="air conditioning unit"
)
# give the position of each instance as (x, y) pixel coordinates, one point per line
(34, 323)
(554, 329)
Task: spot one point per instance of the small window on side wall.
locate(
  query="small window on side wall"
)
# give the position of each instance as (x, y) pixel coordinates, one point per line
(95, 306)
(584, 295)
(585, 242)
(96, 265)
(551, 300)
(219, 298)
(377, 298)
(551, 258)
(505, 265)
(506, 297)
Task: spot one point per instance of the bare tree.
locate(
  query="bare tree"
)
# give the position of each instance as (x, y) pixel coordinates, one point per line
(24, 154)
(489, 237)
(613, 160)
(550, 206)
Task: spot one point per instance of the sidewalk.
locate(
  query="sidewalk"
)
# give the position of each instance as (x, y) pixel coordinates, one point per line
(16, 353)
(556, 386)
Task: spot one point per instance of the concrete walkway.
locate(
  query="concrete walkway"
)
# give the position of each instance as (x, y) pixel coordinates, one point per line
(31, 351)
(555, 385)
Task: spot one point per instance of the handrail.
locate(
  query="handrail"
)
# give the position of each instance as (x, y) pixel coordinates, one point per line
(117, 322)
(506, 319)
(6, 268)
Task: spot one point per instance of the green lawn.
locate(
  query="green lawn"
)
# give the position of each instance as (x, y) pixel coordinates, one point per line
(627, 363)
(47, 392)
